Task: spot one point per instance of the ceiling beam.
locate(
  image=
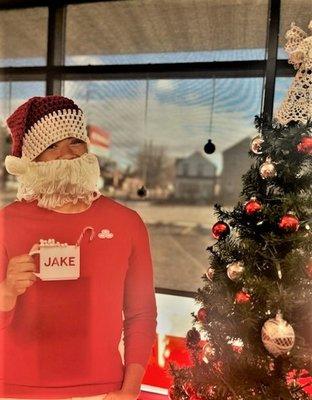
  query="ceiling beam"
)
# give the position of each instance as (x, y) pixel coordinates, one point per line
(17, 4)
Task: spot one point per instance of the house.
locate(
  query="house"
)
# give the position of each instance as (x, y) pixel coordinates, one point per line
(236, 163)
(195, 178)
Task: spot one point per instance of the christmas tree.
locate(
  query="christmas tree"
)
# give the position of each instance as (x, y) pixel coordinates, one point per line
(252, 336)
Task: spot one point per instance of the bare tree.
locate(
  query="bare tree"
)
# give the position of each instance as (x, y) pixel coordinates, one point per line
(154, 166)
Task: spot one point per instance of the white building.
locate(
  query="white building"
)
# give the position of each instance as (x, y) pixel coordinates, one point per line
(195, 178)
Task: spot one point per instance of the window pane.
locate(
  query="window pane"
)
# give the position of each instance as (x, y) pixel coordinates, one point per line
(12, 95)
(161, 146)
(281, 88)
(173, 321)
(298, 11)
(23, 37)
(166, 31)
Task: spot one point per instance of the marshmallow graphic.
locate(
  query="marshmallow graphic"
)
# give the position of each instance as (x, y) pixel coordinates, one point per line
(105, 234)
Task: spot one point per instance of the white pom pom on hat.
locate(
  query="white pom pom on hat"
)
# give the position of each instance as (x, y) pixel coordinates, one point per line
(15, 165)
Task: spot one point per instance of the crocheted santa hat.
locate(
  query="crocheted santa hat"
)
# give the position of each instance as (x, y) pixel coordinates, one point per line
(40, 122)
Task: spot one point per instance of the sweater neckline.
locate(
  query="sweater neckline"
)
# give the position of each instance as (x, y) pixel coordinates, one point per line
(69, 214)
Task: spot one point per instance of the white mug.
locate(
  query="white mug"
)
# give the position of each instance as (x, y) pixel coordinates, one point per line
(58, 261)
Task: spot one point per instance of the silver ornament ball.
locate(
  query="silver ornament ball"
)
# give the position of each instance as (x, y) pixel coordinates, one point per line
(235, 270)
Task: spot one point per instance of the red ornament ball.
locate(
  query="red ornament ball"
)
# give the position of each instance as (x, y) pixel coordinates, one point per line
(242, 297)
(202, 314)
(220, 230)
(289, 223)
(252, 206)
(305, 145)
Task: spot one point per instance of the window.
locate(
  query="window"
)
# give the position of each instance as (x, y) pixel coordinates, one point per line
(165, 31)
(145, 144)
(185, 169)
(174, 320)
(23, 37)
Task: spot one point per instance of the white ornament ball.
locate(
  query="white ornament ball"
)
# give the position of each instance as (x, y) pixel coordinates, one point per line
(235, 270)
(207, 353)
(277, 335)
(256, 144)
(267, 169)
(210, 273)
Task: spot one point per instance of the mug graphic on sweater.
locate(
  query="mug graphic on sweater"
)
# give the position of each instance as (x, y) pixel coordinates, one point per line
(58, 261)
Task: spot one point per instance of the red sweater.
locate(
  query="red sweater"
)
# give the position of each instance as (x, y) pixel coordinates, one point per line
(61, 339)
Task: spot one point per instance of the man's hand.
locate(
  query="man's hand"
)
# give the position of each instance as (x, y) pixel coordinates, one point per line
(20, 275)
(121, 395)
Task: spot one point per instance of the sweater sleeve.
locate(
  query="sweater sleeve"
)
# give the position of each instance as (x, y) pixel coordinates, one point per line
(139, 304)
(5, 316)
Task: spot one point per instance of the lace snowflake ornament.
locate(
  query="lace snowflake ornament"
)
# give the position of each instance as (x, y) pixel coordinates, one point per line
(297, 106)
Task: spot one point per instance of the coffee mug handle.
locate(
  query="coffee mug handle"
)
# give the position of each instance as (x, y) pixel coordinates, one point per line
(31, 253)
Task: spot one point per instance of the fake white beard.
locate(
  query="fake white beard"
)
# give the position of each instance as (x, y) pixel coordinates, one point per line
(57, 182)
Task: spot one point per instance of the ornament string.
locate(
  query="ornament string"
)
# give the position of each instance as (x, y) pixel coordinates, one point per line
(145, 131)
(212, 105)
(87, 228)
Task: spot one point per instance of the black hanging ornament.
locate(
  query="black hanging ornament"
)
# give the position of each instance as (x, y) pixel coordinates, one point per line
(142, 191)
(209, 147)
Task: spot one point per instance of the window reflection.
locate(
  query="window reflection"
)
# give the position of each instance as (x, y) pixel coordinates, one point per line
(159, 144)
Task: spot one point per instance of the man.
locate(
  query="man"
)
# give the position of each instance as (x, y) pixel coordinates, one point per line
(59, 338)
